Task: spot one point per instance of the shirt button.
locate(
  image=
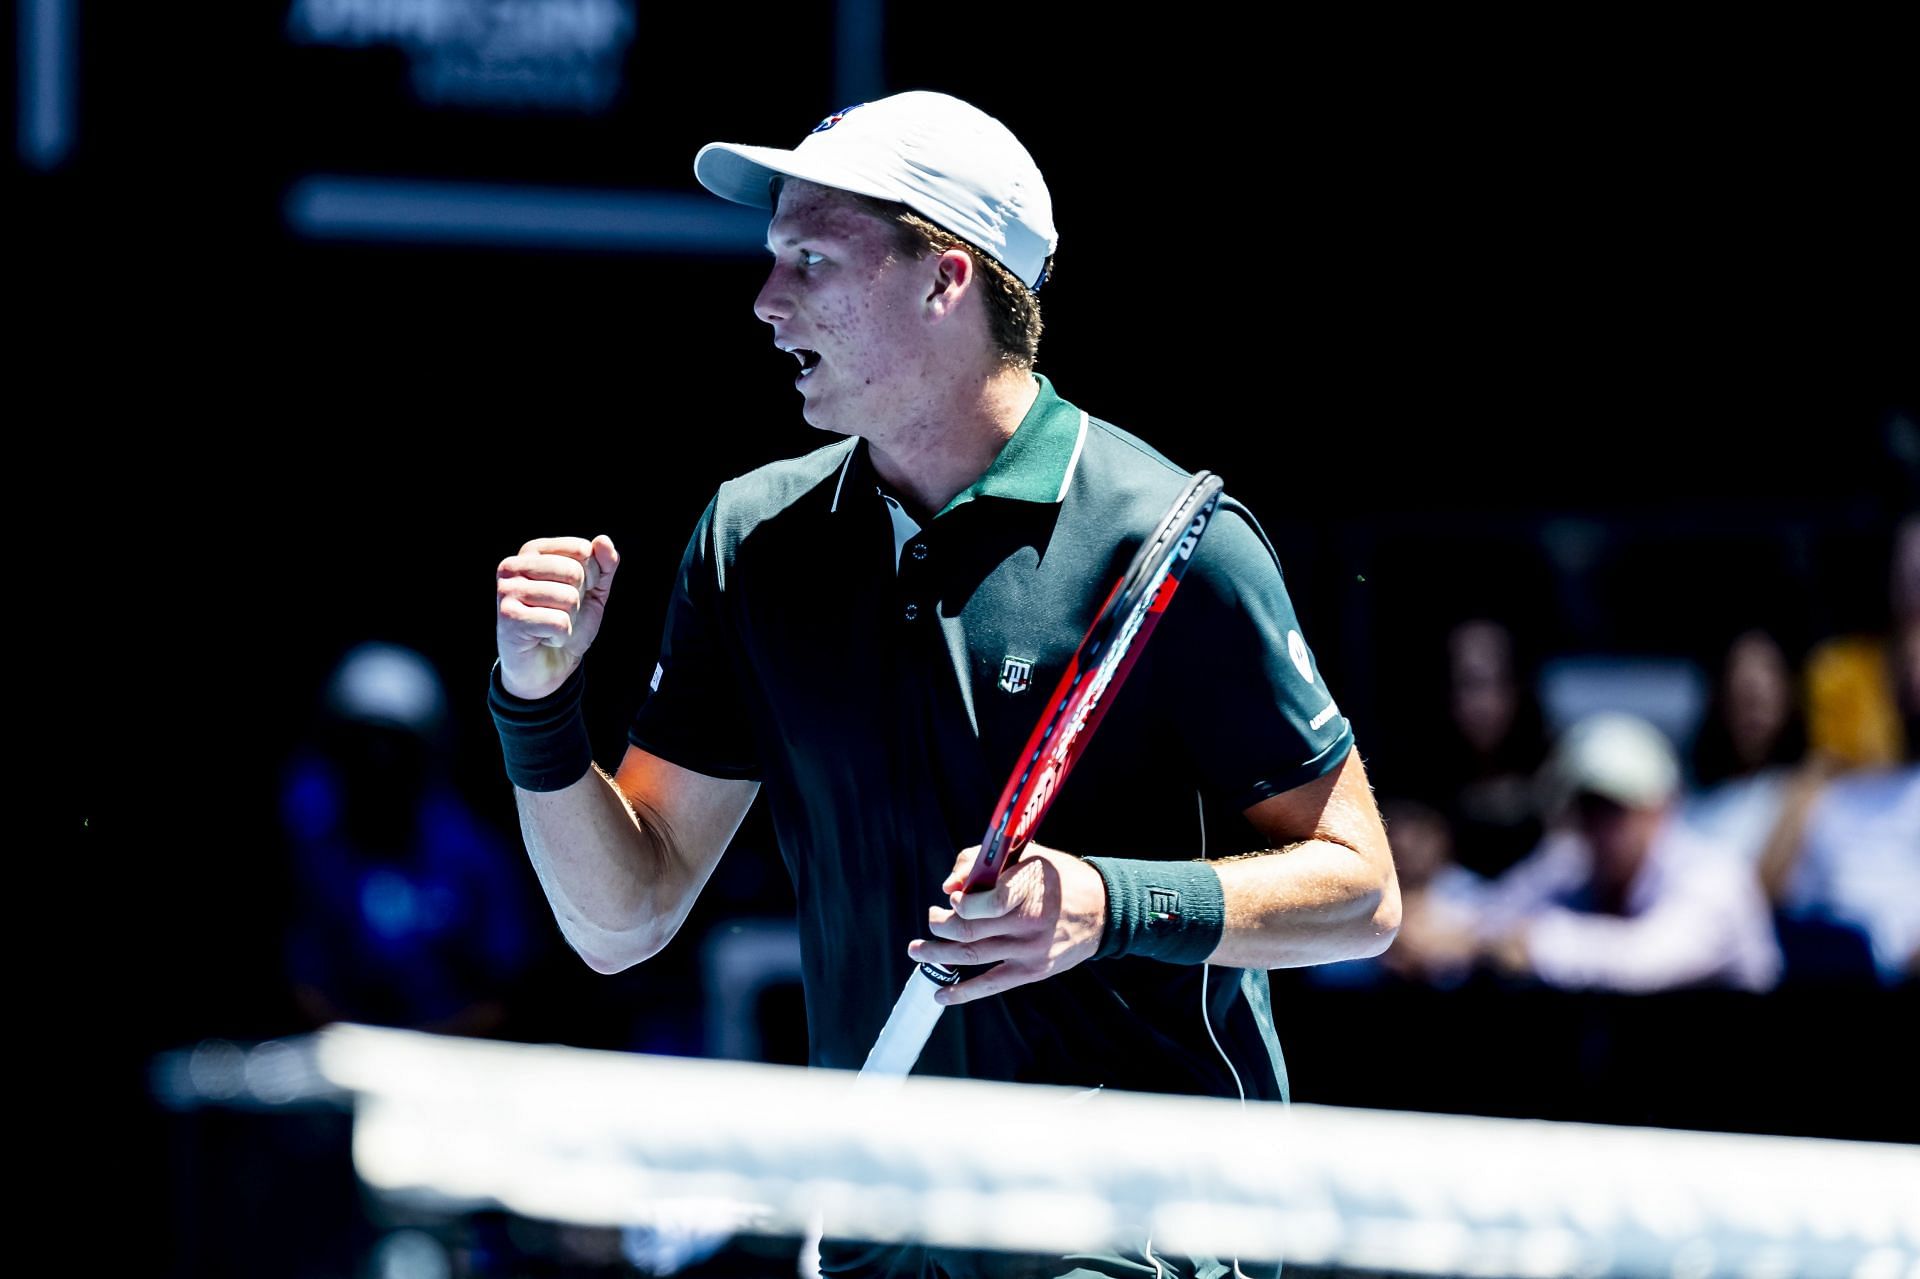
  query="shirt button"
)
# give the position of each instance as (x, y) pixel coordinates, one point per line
(912, 611)
(919, 550)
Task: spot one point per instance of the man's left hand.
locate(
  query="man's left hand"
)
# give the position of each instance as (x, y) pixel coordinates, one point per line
(1044, 916)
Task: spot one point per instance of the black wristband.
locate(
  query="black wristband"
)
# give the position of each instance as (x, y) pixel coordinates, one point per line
(543, 739)
(1171, 911)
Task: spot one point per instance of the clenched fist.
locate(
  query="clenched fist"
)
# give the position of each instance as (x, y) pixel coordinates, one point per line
(551, 598)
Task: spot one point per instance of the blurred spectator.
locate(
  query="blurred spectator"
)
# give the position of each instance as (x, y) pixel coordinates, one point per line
(1857, 863)
(1438, 898)
(1494, 746)
(408, 910)
(1621, 895)
(1855, 716)
(1848, 851)
(1751, 740)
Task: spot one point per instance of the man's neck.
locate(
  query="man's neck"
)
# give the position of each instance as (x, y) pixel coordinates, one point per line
(926, 463)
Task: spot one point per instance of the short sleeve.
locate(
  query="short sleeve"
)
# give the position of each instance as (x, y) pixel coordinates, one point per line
(1248, 700)
(694, 714)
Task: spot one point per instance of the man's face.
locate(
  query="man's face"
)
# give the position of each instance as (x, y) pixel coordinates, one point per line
(841, 298)
(1759, 694)
(1619, 836)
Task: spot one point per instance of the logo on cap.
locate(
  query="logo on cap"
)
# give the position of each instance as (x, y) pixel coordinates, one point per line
(837, 117)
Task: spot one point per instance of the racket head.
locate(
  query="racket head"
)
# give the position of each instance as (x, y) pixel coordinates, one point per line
(1107, 652)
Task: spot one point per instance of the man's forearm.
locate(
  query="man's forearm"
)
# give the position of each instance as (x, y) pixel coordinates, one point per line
(617, 889)
(1314, 902)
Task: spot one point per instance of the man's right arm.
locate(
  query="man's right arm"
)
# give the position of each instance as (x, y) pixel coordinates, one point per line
(622, 858)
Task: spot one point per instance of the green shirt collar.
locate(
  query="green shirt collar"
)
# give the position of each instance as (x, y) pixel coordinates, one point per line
(1034, 465)
(1037, 462)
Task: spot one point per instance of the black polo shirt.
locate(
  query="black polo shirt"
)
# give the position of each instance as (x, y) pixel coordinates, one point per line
(880, 680)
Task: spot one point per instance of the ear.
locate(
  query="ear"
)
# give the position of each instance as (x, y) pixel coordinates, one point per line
(953, 277)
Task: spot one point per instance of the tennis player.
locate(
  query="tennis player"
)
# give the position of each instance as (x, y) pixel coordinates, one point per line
(865, 634)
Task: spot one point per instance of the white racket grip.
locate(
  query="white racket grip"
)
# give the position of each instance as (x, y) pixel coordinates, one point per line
(909, 1024)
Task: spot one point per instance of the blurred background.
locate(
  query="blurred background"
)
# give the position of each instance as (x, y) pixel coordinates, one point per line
(1570, 370)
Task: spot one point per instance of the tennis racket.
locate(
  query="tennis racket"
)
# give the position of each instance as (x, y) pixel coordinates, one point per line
(1086, 689)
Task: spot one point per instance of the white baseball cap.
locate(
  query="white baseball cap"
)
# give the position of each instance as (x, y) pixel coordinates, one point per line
(389, 685)
(948, 161)
(1621, 757)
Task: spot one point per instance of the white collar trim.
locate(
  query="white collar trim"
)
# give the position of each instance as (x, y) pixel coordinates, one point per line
(844, 467)
(1080, 442)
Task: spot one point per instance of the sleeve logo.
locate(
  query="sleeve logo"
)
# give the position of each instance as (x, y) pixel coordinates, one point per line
(1297, 650)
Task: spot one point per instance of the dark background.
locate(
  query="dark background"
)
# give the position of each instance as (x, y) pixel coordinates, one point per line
(1427, 296)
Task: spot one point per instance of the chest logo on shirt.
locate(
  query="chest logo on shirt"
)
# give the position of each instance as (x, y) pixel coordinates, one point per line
(1016, 673)
(1297, 650)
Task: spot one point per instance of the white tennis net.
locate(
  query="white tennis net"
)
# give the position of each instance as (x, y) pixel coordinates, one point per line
(611, 1139)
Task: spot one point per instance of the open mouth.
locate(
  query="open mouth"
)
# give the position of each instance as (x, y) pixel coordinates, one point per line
(809, 360)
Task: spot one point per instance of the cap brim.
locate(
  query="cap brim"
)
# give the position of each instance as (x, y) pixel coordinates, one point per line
(740, 173)
(1557, 787)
